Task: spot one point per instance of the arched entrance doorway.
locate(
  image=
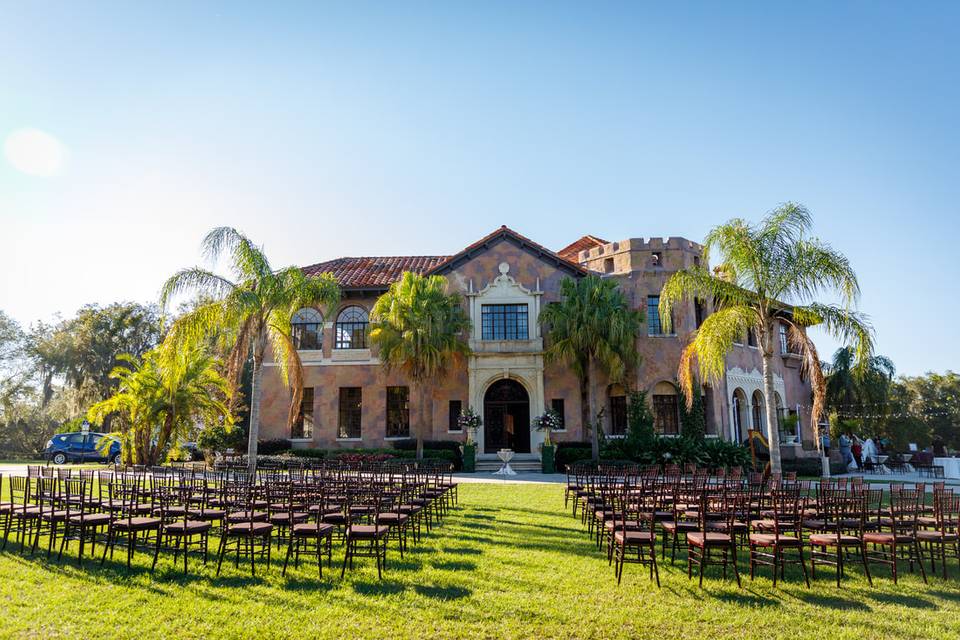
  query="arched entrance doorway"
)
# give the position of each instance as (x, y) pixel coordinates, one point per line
(506, 417)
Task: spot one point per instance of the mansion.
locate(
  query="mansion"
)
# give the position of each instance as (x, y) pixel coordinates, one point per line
(506, 280)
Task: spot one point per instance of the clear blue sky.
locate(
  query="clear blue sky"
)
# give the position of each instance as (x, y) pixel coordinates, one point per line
(355, 129)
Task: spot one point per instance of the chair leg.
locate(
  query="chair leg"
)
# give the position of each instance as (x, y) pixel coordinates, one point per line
(866, 565)
(703, 553)
(286, 558)
(223, 544)
(736, 572)
(803, 566)
(346, 556)
(916, 551)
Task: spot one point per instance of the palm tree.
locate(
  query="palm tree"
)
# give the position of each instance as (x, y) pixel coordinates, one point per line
(162, 396)
(769, 273)
(419, 329)
(248, 314)
(850, 391)
(592, 328)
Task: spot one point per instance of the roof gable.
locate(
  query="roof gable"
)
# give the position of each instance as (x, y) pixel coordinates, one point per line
(507, 234)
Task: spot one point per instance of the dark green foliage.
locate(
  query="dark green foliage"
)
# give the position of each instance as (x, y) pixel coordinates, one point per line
(452, 446)
(664, 450)
(384, 454)
(715, 454)
(639, 417)
(273, 447)
(811, 467)
(469, 457)
(216, 437)
(568, 453)
(547, 463)
(693, 421)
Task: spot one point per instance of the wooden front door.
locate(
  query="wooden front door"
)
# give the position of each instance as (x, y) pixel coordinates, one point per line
(506, 417)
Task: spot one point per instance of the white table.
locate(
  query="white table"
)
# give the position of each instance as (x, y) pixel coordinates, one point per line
(505, 455)
(951, 466)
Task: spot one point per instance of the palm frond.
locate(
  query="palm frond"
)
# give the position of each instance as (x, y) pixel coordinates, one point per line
(687, 284)
(198, 280)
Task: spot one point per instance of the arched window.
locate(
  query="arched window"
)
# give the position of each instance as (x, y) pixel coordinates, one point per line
(739, 419)
(759, 413)
(306, 328)
(666, 409)
(351, 328)
(780, 410)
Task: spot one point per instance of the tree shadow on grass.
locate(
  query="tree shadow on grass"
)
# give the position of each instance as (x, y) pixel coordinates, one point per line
(832, 601)
(404, 564)
(903, 600)
(463, 551)
(953, 596)
(378, 588)
(476, 525)
(748, 598)
(443, 593)
(454, 565)
(310, 584)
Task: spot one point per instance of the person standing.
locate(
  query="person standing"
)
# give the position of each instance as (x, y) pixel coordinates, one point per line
(856, 449)
(844, 443)
(825, 443)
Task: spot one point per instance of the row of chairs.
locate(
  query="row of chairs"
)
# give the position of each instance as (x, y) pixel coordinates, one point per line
(362, 506)
(777, 521)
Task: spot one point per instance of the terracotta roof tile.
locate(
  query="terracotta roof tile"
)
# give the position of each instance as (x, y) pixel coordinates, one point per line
(572, 250)
(373, 272)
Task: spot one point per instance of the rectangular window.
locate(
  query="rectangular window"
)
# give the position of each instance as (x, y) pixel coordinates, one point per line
(303, 427)
(654, 327)
(751, 338)
(398, 412)
(557, 405)
(699, 311)
(351, 403)
(618, 415)
(784, 344)
(666, 418)
(504, 322)
(455, 408)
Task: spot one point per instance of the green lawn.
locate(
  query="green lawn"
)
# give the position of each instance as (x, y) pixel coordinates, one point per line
(510, 562)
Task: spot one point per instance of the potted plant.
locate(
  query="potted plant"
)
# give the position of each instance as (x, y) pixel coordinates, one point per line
(469, 421)
(548, 421)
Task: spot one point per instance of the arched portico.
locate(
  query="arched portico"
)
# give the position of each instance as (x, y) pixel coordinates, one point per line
(506, 417)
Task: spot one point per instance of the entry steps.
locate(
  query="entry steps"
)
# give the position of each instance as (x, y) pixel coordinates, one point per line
(520, 464)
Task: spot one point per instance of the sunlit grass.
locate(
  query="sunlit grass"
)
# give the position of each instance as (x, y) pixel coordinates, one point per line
(509, 562)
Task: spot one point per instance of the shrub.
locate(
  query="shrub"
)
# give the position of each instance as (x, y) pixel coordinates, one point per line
(693, 422)
(811, 467)
(367, 455)
(663, 450)
(716, 453)
(451, 446)
(568, 453)
(218, 437)
(273, 447)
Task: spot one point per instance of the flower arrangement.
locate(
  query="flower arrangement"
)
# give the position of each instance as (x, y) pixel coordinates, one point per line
(469, 420)
(548, 421)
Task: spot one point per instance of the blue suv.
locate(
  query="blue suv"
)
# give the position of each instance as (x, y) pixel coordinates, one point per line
(81, 447)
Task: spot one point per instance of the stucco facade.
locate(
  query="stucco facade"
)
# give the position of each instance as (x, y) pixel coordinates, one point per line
(501, 277)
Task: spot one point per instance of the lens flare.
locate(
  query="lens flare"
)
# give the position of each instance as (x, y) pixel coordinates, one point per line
(34, 152)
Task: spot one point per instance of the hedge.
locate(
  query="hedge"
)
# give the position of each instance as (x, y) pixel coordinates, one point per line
(570, 452)
(384, 454)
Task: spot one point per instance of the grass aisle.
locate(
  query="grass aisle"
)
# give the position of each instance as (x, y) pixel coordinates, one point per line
(508, 563)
